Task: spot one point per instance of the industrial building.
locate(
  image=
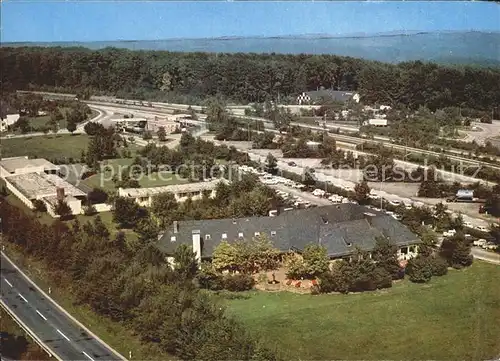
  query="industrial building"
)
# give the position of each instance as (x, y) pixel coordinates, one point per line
(144, 196)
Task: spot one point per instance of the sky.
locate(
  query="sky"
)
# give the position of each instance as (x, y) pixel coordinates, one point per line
(84, 20)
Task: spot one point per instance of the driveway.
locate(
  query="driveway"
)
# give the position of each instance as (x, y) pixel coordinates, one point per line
(486, 256)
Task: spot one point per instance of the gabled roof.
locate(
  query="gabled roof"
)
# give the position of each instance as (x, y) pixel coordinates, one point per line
(334, 227)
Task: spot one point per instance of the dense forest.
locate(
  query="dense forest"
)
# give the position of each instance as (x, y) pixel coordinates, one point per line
(191, 77)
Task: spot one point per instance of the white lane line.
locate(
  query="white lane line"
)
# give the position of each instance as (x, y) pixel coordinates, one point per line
(24, 299)
(63, 335)
(42, 316)
(10, 284)
(86, 354)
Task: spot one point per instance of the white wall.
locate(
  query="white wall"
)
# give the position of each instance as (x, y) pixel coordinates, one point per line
(197, 246)
(75, 206)
(18, 194)
(103, 207)
(411, 252)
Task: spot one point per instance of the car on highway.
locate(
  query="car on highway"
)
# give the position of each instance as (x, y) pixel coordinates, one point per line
(394, 202)
(292, 164)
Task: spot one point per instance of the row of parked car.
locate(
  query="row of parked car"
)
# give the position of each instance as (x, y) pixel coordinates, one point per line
(269, 179)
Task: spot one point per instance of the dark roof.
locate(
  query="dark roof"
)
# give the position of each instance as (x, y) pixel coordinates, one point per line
(337, 95)
(334, 227)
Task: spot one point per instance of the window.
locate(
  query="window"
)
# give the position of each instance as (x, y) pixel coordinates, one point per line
(273, 233)
(256, 234)
(240, 235)
(404, 250)
(224, 235)
(172, 239)
(207, 237)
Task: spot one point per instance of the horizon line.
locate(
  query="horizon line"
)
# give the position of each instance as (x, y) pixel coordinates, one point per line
(393, 33)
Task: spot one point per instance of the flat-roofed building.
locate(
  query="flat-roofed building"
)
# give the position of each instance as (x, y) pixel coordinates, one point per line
(144, 196)
(23, 165)
(48, 188)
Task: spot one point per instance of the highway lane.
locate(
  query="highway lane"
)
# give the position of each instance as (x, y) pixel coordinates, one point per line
(62, 335)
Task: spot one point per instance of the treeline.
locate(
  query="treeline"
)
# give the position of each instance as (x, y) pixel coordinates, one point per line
(29, 107)
(132, 283)
(246, 197)
(191, 77)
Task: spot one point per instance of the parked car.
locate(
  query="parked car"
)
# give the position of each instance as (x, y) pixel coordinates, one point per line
(482, 229)
(479, 242)
(292, 164)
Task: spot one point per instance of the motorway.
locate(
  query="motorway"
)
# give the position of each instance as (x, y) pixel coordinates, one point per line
(65, 338)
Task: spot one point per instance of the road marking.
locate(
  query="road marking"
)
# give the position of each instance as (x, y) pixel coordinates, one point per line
(63, 335)
(10, 284)
(86, 354)
(25, 300)
(42, 316)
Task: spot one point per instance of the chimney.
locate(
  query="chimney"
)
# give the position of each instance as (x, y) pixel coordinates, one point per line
(176, 227)
(197, 245)
(60, 194)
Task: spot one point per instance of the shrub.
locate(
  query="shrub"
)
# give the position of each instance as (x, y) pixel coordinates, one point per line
(97, 195)
(382, 278)
(419, 269)
(238, 282)
(89, 210)
(439, 266)
(209, 279)
(336, 280)
(315, 290)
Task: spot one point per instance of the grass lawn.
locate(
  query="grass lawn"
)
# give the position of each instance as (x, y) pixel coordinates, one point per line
(451, 318)
(49, 147)
(113, 166)
(38, 123)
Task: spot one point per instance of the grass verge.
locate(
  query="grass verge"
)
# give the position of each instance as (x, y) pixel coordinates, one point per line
(451, 318)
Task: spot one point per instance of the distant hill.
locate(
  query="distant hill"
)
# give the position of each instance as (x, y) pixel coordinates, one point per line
(479, 48)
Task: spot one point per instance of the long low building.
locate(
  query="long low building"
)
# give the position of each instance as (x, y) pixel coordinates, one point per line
(48, 188)
(144, 196)
(340, 228)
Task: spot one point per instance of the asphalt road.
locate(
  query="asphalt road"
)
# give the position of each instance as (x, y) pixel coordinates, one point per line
(486, 256)
(62, 335)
